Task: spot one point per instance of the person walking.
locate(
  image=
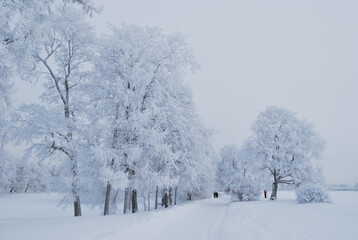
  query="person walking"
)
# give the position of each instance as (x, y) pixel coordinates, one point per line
(265, 193)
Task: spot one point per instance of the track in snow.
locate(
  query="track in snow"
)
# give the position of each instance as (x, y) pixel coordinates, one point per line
(199, 220)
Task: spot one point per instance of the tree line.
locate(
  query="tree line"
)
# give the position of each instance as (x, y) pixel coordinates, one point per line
(115, 115)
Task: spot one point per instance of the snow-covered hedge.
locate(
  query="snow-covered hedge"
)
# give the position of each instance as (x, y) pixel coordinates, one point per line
(245, 191)
(307, 193)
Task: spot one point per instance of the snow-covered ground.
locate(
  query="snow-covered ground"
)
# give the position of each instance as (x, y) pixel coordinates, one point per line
(36, 216)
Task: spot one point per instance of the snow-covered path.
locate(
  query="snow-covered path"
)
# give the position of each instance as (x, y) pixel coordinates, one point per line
(201, 220)
(36, 217)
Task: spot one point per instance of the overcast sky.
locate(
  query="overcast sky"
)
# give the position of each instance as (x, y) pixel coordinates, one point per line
(302, 55)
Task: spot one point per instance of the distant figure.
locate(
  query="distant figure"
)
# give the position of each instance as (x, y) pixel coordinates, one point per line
(216, 194)
(265, 193)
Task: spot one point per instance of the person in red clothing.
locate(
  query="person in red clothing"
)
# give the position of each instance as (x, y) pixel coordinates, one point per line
(265, 193)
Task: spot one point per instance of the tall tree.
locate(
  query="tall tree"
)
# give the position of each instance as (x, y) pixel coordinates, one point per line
(20, 25)
(61, 60)
(6, 88)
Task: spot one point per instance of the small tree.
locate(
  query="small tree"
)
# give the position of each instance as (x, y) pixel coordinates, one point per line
(285, 146)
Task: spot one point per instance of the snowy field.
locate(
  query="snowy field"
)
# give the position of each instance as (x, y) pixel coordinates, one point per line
(37, 217)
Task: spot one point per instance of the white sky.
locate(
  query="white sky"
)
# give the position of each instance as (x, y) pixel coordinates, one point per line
(299, 54)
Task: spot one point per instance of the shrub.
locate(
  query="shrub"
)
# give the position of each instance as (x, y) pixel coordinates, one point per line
(307, 193)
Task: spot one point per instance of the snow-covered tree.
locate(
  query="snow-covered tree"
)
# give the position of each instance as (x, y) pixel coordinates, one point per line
(191, 169)
(143, 107)
(239, 174)
(131, 66)
(227, 166)
(285, 146)
(6, 88)
(5, 106)
(24, 22)
(21, 24)
(61, 60)
(196, 167)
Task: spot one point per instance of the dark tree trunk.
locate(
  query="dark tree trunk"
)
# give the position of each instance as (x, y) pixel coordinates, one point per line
(77, 207)
(170, 196)
(127, 200)
(188, 196)
(274, 188)
(106, 201)
(165, 198)
(27, 187)
(156, 198)
(175, 195)
(240, 196)
(134, 201)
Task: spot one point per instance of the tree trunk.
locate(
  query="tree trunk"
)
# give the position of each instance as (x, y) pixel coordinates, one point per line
(165, 198)
(74, 167)
(274, 190)
(134, 201)
(148, 201)
(156, 198)
(170, 196)
(188, 196)
(77, 202)
(77, 207)
(27, 186)
(175, 195)
(144, 203)
(106, 201)
(127, 200)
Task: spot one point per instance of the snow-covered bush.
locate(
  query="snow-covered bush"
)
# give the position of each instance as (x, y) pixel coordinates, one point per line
(307, 193)
(245, 190)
